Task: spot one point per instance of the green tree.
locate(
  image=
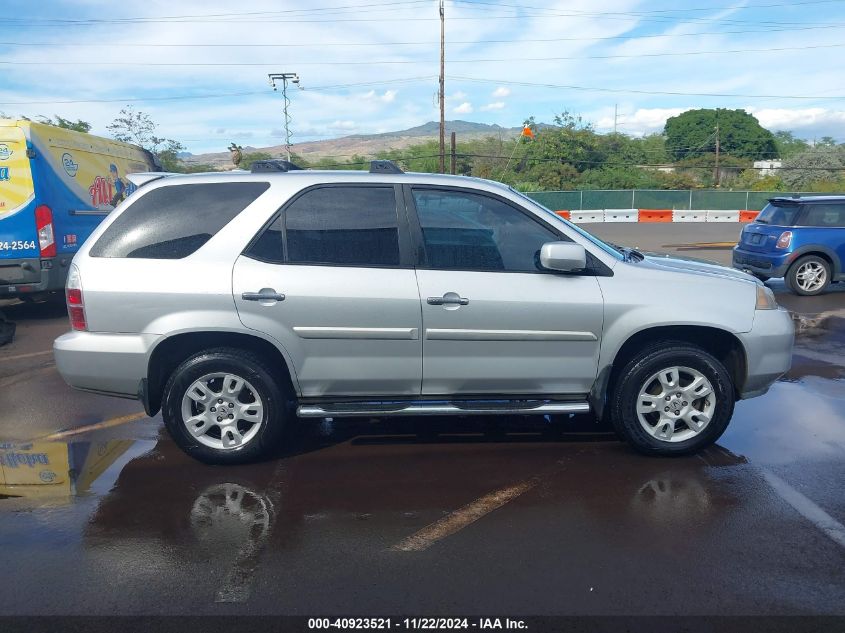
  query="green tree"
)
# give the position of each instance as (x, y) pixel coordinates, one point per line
(250, 157)
(740, 134)
(788, 145)
(814, 166)
(77, 126)
(134, 126)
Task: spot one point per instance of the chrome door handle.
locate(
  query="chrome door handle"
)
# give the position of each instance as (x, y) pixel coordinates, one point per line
(265, 294)
(449, 299)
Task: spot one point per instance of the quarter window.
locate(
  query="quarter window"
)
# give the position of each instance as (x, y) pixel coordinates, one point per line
(173, 221)
(467, 231)
(344, 226)
(824, 215)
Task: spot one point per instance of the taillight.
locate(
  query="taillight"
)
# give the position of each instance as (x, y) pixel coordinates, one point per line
(785, 239)
(44, 226)
(75, 301)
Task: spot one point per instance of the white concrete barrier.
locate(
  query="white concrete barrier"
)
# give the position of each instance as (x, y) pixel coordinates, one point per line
(621, 215)
(587, 215)
(722, 216)
(684, 215)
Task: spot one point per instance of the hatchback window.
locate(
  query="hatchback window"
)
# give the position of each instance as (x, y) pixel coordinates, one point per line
(344, 226)
(466, 231)
(171, 222)
(824, 215)
(779, 215)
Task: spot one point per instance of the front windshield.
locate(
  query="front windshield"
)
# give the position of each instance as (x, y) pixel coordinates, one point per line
(607, 248)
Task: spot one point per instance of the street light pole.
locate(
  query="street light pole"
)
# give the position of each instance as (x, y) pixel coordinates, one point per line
(284, 78)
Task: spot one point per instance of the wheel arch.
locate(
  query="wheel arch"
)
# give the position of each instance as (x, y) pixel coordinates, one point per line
(173, 350)
(827, 254)
(721, 343)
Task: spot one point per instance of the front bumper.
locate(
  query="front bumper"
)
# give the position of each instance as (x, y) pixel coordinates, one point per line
(768, 350)
(774, 266)
(112, 364)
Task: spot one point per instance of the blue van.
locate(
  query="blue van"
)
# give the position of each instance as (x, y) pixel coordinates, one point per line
(56, 186)
(799, 239)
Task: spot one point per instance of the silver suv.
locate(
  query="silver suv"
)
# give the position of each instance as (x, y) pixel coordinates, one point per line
(236, 302)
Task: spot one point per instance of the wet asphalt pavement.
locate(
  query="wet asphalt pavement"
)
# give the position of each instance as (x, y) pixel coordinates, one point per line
(448, 516)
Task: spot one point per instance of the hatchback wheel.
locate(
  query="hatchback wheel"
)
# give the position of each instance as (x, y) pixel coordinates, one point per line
(672, 399)
(809, 275)
(224, 407)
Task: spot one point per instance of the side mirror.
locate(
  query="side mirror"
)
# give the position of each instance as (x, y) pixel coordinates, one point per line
(563, 256)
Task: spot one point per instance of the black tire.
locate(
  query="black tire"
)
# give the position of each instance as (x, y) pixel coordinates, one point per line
(651, 360)
(791, 275)
(248, 366)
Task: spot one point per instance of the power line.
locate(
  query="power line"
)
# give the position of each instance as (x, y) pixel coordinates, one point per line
(414, 61)
(644, 92)
(218, 95)
(418, 43)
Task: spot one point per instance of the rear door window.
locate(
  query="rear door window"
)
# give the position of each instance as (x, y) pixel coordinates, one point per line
(824, 215)
(172, 222)
(344, 225)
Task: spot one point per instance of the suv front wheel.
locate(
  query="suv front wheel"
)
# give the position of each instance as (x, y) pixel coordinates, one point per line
(223, 406)
(672, 399)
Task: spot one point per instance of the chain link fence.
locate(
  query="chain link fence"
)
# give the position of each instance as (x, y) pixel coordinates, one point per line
(690, 199)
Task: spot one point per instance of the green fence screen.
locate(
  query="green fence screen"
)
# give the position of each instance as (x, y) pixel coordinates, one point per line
(658, 199)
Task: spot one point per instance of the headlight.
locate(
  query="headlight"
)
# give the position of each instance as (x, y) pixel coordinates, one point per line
(765, 299)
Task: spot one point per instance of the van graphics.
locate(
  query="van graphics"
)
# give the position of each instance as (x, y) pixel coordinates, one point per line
(5, 152)
(70, 166)
(70, 239)
(4, 174)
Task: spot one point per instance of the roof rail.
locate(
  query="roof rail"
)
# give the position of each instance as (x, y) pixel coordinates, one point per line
(275, 164)
(385, 167)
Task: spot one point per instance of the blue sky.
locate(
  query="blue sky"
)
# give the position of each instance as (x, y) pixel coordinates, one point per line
(199, 68)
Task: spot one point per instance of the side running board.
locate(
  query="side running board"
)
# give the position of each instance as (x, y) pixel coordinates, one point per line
(467, 407)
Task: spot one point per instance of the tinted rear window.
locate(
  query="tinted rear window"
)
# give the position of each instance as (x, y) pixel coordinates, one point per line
(779, 216)
(824, 215)
(172, 222)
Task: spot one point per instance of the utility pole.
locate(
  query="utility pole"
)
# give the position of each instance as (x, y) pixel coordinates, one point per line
(716, 172)
(454, 155)
(615, 116)
(285, 78)
(442, 88)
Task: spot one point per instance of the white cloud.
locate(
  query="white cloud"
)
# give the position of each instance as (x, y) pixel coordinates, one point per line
(500, 92)
(496, 105)
(464, 108)
(343, 126)
(389, 96)
(641, 121)
(457, 96)
(804, 122)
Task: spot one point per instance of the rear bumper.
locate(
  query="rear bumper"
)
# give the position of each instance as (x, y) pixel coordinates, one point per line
(768, 349)
(113, 364)
(30, 277)
(761, 263)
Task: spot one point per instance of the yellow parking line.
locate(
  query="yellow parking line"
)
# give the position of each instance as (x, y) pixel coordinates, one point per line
(30, 355)
(105, 424)
(459, 519)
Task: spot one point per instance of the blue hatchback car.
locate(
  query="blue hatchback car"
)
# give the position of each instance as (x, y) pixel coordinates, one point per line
(799, 239)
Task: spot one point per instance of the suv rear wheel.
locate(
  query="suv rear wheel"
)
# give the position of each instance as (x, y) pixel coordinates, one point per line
(223, 406)
(672, 399)
(809, 275)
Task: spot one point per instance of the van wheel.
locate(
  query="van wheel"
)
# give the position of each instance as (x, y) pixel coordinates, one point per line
(222, 406)
(672, 399)
(809, 275)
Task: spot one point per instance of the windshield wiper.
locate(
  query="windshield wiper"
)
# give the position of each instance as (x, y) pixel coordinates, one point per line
(630, 254)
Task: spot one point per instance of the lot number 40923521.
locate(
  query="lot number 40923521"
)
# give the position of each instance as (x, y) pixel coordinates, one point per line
(19, 245)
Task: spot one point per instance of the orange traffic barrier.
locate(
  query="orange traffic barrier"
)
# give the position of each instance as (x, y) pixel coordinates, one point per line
(654, 215)
(563, 214)
(747, 215)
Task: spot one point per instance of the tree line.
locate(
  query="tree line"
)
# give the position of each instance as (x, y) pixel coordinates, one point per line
(701, 148)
